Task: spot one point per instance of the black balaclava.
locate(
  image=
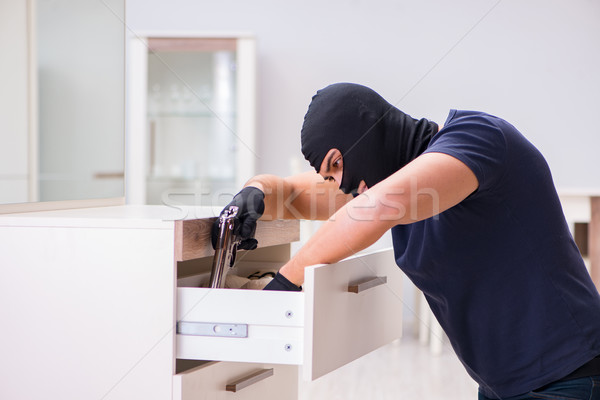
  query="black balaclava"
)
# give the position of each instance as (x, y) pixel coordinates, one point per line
(375, 138)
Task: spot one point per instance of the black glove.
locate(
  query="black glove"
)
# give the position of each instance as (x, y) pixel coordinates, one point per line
(250, 201)
(281, 283)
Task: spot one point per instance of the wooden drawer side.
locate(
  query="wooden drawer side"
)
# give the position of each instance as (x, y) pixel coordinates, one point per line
(193, 240)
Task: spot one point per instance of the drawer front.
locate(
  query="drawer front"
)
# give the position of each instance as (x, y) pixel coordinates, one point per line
(352, 308)
(237, 381)
(267, 325)
(347, 310)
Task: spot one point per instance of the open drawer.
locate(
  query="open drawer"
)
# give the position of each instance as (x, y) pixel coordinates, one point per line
(346, 310)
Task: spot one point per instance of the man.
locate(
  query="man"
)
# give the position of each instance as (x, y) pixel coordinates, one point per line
(476, 225)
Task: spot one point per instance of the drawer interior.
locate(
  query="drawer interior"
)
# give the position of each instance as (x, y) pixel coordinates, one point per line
(249, 266)
(182, 366)
(244, 275)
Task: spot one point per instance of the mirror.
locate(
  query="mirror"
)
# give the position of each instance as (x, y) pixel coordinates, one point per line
(62, 107)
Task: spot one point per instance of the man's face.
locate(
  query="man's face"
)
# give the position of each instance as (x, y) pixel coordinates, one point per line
(332, 169)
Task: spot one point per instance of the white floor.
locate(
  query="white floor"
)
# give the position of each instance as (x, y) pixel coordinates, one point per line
(404, 369)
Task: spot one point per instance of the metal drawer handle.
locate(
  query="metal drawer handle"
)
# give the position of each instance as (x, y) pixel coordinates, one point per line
(367, 284)
(249, 380)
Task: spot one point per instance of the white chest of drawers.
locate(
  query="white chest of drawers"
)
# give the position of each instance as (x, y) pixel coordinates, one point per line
(89, 305)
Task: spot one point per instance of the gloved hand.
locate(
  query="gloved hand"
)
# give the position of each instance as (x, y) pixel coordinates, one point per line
(281, 283)
(250, 201)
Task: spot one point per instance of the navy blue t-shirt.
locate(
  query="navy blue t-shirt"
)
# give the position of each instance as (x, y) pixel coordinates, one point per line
(500, 269)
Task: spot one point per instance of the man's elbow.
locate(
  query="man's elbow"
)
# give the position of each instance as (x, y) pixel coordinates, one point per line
(375, 207)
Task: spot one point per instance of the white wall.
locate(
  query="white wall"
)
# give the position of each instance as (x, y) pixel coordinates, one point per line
(533, 62)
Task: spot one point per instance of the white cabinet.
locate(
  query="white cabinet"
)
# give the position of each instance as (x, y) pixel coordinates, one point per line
(87, 305)
(14, 103)
(90, 305)
(192, 117)
(62, 103)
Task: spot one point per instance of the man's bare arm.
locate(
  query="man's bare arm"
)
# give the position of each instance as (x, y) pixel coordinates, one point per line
(429, 185)
(302, 196)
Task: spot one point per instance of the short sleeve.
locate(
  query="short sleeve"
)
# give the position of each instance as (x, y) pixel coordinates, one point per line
(477, 141)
